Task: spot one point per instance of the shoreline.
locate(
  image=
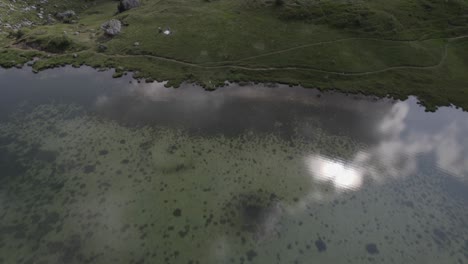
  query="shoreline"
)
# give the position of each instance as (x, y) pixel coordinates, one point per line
(119, 72)
(274, 85)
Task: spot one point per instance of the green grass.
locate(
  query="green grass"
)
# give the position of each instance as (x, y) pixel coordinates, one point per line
(355, 55)
(396, 48)
(11, 58)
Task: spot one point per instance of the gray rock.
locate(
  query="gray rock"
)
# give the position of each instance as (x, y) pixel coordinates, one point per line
(125, 5)
(112, 27)
(65, 15)
(50, 19)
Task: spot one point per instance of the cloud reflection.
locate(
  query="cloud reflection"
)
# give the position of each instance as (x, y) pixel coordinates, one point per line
(396, 155)
(336, 172)
(451, 151)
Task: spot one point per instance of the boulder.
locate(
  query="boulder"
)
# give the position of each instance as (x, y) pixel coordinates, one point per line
(125, 5)
(66, 15)
(112, 27)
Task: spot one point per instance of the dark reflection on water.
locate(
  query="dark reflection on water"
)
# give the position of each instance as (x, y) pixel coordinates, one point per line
(101, 170)
(229, 110)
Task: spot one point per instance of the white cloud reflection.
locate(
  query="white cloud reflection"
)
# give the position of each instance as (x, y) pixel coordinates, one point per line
(395, 155)
(336, 172)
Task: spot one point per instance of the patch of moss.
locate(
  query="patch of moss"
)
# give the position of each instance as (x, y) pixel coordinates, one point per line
(11, 58)
(53, 44)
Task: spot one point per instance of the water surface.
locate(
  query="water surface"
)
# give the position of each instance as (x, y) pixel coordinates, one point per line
(102, 170)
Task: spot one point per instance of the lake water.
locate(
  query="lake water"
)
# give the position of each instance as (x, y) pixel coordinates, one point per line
(102, 170)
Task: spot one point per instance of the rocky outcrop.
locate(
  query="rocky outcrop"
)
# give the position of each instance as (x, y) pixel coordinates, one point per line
(125, 5)
(112, 27)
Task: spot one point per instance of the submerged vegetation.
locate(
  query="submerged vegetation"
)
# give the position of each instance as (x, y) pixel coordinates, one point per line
(79, 188)
(396, 48)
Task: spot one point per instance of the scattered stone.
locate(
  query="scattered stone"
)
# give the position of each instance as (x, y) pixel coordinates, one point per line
(177, 212)
(125, 5)
(372, 249)
(75, 55)
(112, 27)
(320, 244)
(136, 44)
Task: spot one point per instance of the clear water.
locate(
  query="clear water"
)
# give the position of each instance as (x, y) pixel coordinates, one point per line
(102, 170)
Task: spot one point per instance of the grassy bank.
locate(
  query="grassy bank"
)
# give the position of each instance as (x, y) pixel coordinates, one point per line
(402, 48)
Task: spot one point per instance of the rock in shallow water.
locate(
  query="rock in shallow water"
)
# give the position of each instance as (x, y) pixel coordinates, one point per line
(372, 249)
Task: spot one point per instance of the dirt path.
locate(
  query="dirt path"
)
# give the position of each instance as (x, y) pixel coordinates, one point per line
(204, 66)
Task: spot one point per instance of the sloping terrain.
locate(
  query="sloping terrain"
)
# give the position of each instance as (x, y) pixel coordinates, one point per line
(396, 48)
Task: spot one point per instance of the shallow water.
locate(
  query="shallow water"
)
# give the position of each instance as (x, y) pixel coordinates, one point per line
(102, 170)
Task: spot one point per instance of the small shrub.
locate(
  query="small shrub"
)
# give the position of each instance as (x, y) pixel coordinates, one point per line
(16, 34)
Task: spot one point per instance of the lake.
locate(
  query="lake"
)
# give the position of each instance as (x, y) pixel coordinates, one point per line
(102, 170)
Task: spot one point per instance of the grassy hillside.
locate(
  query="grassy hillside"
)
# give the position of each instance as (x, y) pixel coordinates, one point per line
(397, 48)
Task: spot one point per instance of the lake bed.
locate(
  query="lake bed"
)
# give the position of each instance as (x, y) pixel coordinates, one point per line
(102, 170)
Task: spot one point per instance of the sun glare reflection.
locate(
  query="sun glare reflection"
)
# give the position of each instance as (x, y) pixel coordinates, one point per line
(342, 176)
